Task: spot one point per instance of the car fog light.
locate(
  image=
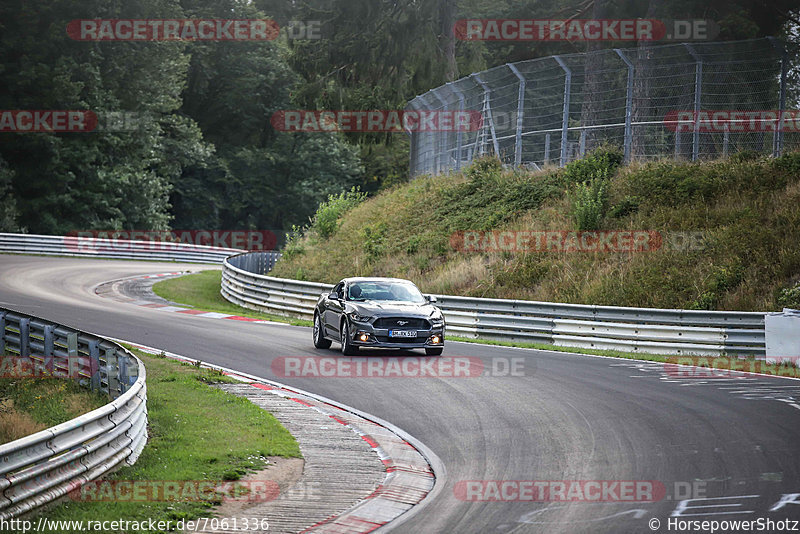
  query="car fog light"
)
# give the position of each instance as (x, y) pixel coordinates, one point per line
(364, 336)
(435, 339)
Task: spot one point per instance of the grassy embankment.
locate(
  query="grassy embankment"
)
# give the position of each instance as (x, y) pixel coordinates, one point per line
(196, 432)
(746, 207)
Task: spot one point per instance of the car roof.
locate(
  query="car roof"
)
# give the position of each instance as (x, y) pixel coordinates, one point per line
(375, 279)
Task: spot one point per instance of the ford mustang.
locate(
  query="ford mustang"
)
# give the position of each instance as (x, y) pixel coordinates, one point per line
(378, 312)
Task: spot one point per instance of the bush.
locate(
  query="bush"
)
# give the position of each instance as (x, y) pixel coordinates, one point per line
(588, 201)
(600, 164)
(790, 297)
(326, 219)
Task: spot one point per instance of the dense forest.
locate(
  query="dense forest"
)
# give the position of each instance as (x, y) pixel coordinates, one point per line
(197, 149)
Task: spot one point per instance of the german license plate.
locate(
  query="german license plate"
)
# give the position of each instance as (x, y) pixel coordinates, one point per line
(402, 333)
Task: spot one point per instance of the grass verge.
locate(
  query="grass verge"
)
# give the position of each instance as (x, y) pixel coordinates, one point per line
(196, 433)
(28, 405)
(201, 291)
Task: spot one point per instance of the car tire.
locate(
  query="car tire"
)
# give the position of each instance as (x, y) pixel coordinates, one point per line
(347, 344)
(319, 339)
(436, 351)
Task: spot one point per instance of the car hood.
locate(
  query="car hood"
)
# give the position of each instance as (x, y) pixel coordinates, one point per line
(388, 308)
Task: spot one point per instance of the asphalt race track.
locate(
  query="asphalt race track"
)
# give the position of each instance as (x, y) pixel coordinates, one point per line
(564, 417)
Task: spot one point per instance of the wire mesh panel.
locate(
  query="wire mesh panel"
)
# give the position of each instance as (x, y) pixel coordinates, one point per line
(687, 101)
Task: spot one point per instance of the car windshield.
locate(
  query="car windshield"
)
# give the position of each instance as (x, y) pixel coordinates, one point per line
(393, 291)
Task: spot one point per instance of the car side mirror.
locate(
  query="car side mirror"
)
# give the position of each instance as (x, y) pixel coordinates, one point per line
(432, 299)
(333, 296)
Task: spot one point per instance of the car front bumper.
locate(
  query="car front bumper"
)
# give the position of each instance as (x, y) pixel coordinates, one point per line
(379, 337)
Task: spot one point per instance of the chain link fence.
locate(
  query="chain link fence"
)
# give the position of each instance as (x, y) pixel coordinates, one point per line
(679, 100)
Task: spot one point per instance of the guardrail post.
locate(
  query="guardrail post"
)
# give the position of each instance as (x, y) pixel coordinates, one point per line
(520, 113)
(698, 89)
(110, 354)
(112, 372)
(2, 333)
(123, 373)
(49, 348)
(565, 114)
(94, 365)
(628, 105)
(24, 337)
(72, 351)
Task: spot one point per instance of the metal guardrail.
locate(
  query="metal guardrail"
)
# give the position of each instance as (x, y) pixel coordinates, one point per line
(112, 248)
(646, 330)
(45, 466)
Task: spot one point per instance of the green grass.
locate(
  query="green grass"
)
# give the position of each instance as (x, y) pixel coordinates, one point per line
(196, 432)
(573, 350)
(201, 291)
(28, 405)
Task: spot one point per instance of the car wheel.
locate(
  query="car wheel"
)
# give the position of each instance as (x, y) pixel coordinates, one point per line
(347, 344)
(437, 351)
(319, 339)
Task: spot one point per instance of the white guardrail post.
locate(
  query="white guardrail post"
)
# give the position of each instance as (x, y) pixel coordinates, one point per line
(45, 466)
(647, 330)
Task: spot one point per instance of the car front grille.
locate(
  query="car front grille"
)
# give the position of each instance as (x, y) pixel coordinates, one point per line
(387, 339)
(409, 323)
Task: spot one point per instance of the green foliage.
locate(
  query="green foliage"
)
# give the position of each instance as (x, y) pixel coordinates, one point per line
(790, 297)
(600, 164)
(326, 219)
(718, 282)
(294, 244)
(588, 201)
(490, 197)
(373, 239)
(625, 207)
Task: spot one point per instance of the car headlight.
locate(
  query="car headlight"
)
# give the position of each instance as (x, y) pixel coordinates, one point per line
(360, 318)
(437, 317)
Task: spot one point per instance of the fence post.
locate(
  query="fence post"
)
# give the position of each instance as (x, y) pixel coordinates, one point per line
(443, 137)
(725, 140)
(628, 105)
(413, 139)
(487, 103)
(546, 148)
(565, 117)
(777, 140)
(520, 113)
(698, 89)
(582, 147)
(459, 132)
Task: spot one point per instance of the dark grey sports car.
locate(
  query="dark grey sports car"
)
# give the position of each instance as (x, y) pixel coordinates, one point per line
(378, 312)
